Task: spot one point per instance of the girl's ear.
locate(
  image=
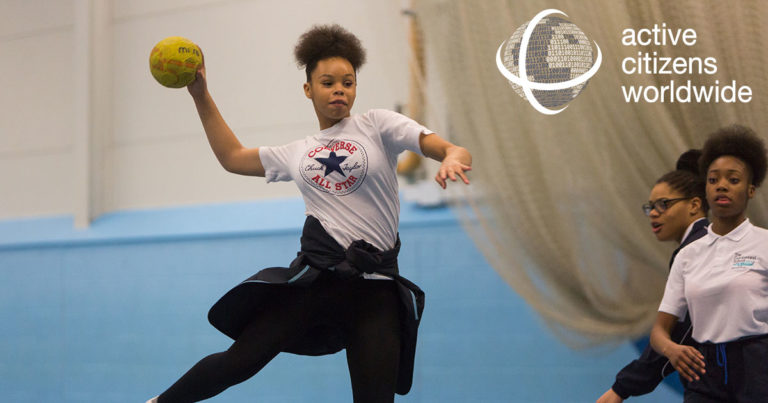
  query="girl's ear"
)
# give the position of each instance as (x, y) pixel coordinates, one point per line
(308, 90)
(695, 206)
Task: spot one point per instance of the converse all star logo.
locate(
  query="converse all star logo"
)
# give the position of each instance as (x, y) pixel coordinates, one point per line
(337, 168)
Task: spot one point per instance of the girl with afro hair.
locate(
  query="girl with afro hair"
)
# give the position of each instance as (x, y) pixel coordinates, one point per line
(343, 290)
(721, 280)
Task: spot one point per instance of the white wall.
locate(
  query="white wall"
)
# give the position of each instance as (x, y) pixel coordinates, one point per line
(155, 152)
(36, 124)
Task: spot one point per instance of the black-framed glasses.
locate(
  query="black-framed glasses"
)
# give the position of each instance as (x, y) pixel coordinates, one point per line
(661, 205)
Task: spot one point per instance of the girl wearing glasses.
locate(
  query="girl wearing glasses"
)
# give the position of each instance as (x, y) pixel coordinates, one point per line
(677, 209)
(722, 281)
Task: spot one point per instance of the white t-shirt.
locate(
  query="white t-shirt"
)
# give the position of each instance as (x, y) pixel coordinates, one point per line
(723, 283)
(347, 174)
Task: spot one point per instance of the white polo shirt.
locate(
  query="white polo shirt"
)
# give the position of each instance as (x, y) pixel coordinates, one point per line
(723, 283)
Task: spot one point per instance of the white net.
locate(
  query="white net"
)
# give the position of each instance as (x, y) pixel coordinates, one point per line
(555, 200)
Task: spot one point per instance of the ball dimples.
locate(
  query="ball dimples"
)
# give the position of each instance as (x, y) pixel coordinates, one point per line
(558, 51)
(174, 61)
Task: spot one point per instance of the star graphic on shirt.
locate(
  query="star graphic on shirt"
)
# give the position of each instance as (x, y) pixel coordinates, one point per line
(332, 163)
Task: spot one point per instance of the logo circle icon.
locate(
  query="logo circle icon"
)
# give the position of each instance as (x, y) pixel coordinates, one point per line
(338, 168)
(548, 61)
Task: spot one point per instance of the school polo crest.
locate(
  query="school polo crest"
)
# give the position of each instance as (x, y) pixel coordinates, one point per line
(337, 168)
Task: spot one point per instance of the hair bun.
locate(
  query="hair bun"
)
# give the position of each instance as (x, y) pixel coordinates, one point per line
(689, 161)
(324, 41)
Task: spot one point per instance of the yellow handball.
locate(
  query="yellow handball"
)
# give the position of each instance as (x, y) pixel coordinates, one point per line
(174, 61)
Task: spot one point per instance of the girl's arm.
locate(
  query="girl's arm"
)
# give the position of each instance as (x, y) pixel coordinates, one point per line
(688, 361)
(455, 160)
(227, 148)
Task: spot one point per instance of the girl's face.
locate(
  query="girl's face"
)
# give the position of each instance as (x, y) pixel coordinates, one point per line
(728, 188)
(674, 220)
(332, 90)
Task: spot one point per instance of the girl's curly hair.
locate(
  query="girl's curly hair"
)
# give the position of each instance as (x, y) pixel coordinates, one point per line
(324, 41)
(740, 142)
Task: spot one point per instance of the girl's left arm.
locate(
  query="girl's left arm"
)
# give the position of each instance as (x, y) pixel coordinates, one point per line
(456, 161)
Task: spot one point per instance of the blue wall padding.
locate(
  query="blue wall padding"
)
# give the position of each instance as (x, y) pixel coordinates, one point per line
(116, 312)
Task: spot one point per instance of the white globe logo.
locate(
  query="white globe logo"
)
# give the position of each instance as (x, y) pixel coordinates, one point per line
(548, 61)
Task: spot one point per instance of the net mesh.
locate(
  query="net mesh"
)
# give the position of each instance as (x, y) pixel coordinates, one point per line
(555, 200)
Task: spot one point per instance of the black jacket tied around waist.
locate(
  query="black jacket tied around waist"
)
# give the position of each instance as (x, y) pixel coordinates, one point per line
(320, 253)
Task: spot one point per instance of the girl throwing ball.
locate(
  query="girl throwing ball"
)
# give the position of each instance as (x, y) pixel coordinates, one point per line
(344, 290)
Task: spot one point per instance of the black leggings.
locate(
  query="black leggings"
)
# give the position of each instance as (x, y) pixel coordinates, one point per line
(367, 309)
